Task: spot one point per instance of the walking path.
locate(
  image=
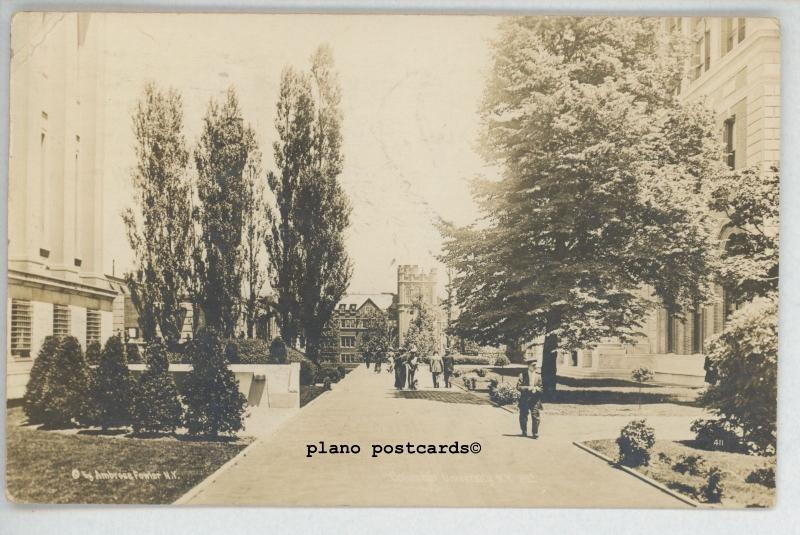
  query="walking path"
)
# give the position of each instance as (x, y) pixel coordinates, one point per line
(365, 409)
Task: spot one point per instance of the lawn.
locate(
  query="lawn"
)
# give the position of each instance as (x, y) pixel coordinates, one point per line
(600, 397)
(56, 467)
(735, 467)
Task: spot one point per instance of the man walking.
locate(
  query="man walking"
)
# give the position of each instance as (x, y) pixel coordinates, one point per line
(448, 364)
(529, 386)
(435, 365)
(379, 355)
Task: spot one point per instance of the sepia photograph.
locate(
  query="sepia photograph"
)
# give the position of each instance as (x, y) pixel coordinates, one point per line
(393, 260)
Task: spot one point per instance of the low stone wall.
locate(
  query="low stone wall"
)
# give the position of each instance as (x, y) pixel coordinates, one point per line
(670, 368)
(264, 385)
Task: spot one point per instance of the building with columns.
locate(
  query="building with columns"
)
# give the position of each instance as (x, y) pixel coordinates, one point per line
(735, 68)
(55, 198)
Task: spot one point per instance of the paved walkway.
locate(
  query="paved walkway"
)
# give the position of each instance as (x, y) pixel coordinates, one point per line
(364, 409)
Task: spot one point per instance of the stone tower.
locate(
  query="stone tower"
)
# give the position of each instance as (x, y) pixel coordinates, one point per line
(411, 283)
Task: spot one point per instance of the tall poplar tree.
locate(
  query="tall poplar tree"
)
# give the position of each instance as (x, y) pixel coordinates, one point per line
(159, 226)
(222, 152)
(310, 268)
(601, 210)
(254, 233)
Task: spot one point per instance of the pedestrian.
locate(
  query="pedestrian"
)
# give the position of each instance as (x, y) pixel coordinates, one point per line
(411, 364)
(529, 386)
(448, 363)
(378, 361)
(435, 365)
(399, 371)
(367, 358)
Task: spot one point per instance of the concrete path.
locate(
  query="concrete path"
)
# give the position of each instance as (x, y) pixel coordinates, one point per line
(365, 409)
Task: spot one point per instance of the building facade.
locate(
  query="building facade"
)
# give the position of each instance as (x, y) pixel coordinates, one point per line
(55, 197)
(735, 69)
(415, 283)
(351, 318)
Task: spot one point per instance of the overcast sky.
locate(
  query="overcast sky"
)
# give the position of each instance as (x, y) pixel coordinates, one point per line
(411, 86)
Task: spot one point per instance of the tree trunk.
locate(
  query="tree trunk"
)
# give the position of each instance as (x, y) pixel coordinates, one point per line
(550, 353)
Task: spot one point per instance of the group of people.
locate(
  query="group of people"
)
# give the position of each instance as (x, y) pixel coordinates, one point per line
(405, 365)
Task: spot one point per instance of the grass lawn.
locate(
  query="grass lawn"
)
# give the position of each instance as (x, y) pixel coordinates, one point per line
(735, 467)
(600, 397)
(42, 465)
(309, 393)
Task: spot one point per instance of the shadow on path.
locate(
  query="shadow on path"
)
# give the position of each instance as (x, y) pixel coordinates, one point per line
(443, 396)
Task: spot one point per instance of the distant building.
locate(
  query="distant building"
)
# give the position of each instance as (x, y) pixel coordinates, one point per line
(735, 69)
(350, 319)
(414, 283)
(55, 197)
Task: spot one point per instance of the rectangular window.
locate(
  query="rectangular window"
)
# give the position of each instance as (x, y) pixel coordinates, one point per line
(21, 321)
(670, 334)
(348, 341)
(92, 326)
(728, 139)
(740, 32)
(707, 47)
(733, 32)
(60, 320)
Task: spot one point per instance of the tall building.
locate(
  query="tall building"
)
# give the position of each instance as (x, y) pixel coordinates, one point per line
(414, 283)
(55, 196)
(735, 69)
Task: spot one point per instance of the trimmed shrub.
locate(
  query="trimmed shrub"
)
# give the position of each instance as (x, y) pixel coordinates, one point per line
(762, 476)
(156, 407)
(33, 402)
(713, 489)
(492, 384)
(342, 371)
(326, 384)
(213, 402)
(716, 435)
(64, 401)
(250, 351)
(690, 464)
(278, 353)
(473, 360)
(504, 394)
(134, 355)
(112, 387)
(635, 441)
(327, 372)
(501, 361)
(93, 352)
(308, 371)
(480, 372)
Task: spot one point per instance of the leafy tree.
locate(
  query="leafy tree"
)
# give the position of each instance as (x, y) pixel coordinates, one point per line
(63, 400)
(112, 387)
(379, 334)
(37, 389)
(254, 233)
(599, 214)
(156, 406)
(159, 229)
(213, 402)
(749, 200)
(309, 266)
(225, 147)
(422, 328)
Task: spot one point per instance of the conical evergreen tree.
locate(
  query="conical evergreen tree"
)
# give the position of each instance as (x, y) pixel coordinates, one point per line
(64, 399)
(156, 407)
(213, 402)
(112, 386)
(32, 401)
(93, 352)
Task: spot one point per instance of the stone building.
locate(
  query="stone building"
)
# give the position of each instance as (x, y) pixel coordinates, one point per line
(735, 68)
(55, 197)
(350, 320)
(414, 283)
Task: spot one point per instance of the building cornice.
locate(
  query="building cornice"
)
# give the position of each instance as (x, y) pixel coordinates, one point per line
(40, 281)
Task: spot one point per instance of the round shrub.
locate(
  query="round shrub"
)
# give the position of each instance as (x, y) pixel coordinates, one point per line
(690, 464)
(713, 489)
(480, 372)
(326, 383)
(308, 371)
(342, 371)
(66, 398)
(762, 476)
(635, 441)
(501, 361)
(325, 372)
(156, 407)
(504, 394)
(717, 435)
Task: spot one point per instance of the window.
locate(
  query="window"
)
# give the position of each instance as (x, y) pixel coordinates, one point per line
(670, 334)
(728, 131)
(733, 32)
(347, 323)
(701, 52)
(92, 326)
(60, 320)
(348, 341)
(21, 320)
(740, 31)
(707, 47)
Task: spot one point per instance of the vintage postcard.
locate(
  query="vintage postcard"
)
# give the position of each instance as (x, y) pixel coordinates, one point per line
(392, 260)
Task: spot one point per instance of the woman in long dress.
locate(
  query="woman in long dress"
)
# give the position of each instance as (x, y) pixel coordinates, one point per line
(399, 371)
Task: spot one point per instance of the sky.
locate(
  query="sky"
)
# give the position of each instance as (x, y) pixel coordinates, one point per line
(411, 89)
